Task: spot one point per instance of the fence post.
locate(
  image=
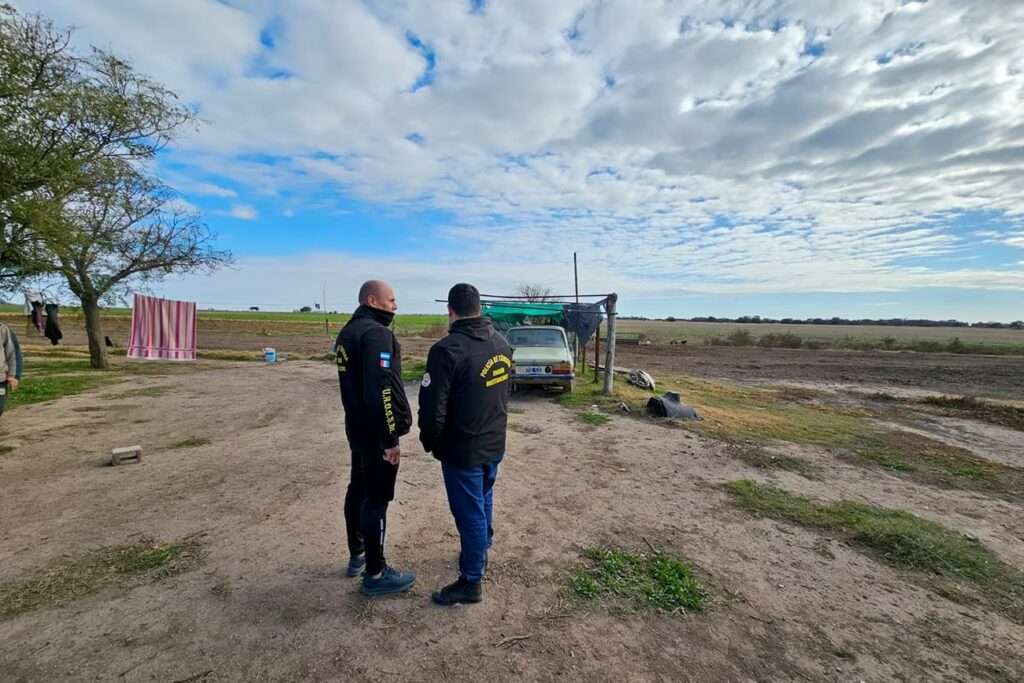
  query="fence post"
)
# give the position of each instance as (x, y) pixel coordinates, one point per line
(609, 362)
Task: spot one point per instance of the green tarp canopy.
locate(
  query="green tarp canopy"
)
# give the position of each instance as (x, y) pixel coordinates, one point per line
(514, 312)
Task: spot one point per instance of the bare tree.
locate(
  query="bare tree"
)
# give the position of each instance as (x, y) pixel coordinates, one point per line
(128, 231)
(534, 292)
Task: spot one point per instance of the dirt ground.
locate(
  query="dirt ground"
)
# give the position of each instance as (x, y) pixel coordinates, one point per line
(980, 375)
(269, 600)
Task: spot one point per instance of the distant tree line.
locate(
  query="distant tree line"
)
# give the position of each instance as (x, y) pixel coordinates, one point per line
(892, 322)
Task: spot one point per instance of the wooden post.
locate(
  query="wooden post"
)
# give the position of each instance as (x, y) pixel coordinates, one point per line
(609, 363)
(597, 352)
(576, 281)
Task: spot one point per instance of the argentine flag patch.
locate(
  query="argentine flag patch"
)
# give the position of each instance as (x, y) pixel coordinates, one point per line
(385, 359)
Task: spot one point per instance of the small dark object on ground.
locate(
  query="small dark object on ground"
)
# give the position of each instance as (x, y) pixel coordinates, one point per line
(670, 405)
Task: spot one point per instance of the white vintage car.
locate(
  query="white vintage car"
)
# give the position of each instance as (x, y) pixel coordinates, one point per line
(541, 356)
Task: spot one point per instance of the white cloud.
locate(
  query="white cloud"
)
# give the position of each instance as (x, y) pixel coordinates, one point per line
(242, 212)
(288, 213)
(778, 145)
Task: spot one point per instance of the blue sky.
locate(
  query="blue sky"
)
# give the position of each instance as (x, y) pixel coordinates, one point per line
(787, 159)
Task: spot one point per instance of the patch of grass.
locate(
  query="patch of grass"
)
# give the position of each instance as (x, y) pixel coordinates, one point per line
(36, 367)
(647, 582)
(230, 355)
(36, 389)
(796, 394)
(413, 369)
(148, 392)
(887, 463)
(78, 576)
(586, 394)
(595, 419)
(938, 463)
(1000, 414)
(756, 455)
(733, 413)
(515, 410)
(4, 448)
(897, 538)
(192, 442)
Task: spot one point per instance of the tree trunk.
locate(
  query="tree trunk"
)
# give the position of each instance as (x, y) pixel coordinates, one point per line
(94, 331)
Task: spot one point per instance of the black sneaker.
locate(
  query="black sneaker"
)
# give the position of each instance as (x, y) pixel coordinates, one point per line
(391, 581)
(355, 566)
(461, 591)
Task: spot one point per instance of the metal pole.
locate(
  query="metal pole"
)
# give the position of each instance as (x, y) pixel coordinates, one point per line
(609, 363)
(323, 300)
(576, 281)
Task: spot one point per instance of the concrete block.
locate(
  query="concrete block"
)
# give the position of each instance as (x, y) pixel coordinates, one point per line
(121, 456)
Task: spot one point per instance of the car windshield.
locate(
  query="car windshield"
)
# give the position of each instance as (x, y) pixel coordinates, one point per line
(547, 338)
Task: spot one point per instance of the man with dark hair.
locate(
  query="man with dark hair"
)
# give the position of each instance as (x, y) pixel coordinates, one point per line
(377, 413)
(462, 420)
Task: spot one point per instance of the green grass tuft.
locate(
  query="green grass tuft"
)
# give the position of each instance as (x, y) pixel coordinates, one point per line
(192, 442)
(37, 389)
(595, 419)
(648, 582)
(756, 455)
(4, 448)
(898, 538)
(413, 369)
(76, 577)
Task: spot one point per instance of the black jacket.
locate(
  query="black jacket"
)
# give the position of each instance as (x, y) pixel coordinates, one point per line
(370, 374)
(464, 395)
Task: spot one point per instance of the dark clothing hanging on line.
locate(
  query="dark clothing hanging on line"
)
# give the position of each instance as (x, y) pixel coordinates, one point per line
(52, 329)
(37, 317)
(583, 319)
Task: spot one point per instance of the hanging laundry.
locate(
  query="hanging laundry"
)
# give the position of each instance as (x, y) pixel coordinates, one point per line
(52, 330)
(37, 316)
(162, 329)
(35, 303)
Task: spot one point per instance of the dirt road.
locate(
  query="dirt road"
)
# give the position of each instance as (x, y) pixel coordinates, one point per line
(270, 602)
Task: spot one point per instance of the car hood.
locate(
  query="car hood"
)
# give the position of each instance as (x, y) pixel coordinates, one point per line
(536, 355)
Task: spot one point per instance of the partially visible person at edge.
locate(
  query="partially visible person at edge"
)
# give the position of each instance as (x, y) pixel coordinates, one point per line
(462, 419)
(12, 364)
(377, 414)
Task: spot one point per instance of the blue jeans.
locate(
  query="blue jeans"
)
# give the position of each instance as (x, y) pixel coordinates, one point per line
(470, 498)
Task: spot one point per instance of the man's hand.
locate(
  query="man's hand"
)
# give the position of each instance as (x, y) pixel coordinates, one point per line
(13, 383)
(393, 455)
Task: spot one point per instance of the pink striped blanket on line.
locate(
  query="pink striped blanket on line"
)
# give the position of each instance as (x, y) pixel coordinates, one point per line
(162, 329)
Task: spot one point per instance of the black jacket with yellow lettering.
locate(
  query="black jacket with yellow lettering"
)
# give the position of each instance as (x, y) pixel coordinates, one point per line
(370, 374)
(464, 395)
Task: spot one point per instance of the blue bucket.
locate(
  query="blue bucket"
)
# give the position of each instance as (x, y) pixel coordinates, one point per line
(270, 355)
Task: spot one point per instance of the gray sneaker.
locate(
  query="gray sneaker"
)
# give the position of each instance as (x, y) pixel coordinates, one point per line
(391, 581)
(355, 566)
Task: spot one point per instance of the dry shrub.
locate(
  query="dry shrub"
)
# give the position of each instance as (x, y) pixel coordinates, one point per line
(780, 340)
(741, 337)
(436, 331)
